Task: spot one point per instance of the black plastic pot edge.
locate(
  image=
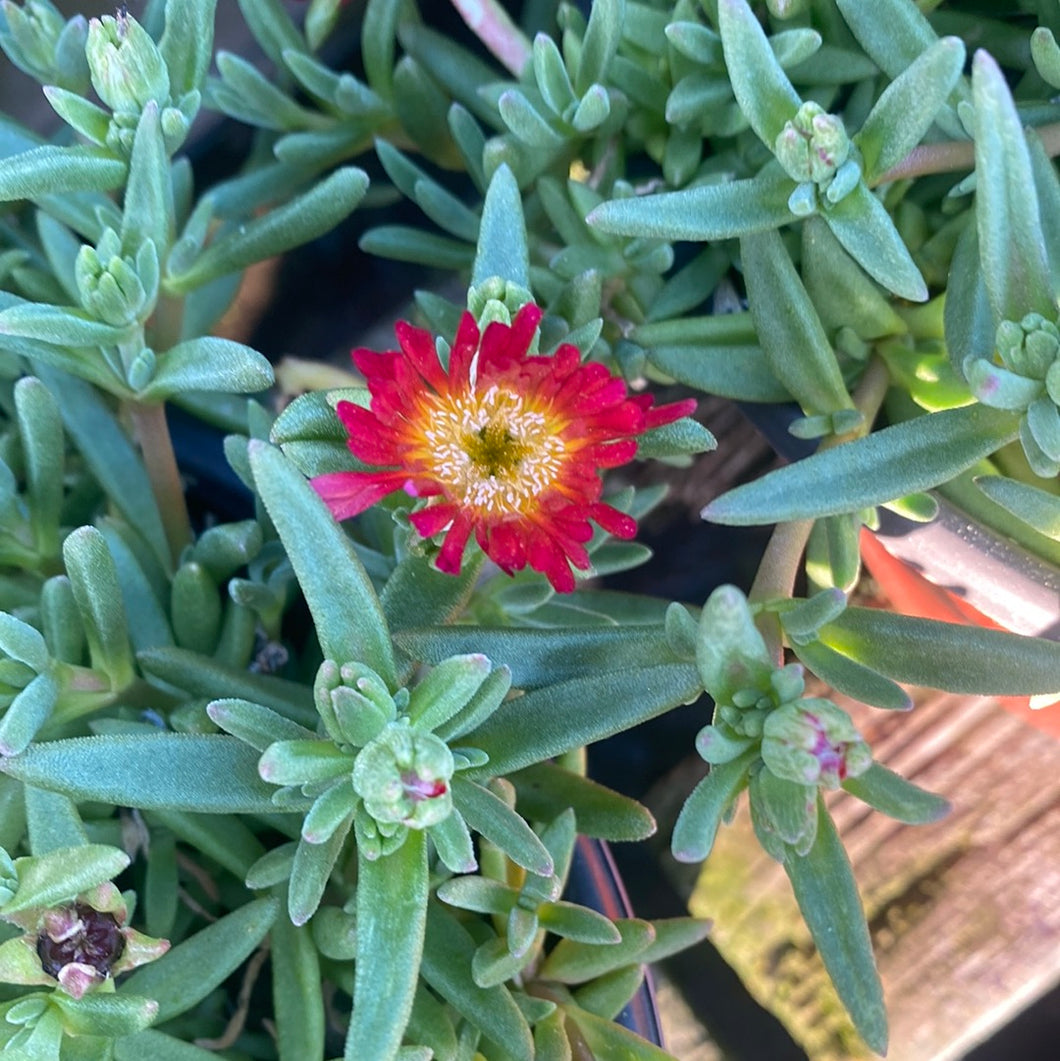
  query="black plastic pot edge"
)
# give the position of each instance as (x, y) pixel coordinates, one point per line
(595, 882)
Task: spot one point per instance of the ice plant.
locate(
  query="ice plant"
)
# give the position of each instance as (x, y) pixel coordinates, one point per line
(503, 444)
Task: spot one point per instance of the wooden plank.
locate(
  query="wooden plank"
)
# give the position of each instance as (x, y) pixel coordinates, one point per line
(964, 912)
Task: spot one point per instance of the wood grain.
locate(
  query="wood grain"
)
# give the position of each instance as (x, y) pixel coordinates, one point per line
(965, 913)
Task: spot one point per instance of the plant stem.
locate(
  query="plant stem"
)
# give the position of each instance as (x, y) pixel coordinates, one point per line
(502, 38)
(955, 155)
(152, 431)
(780, 563)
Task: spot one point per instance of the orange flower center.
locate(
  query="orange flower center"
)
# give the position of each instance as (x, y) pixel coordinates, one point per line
(492, 451)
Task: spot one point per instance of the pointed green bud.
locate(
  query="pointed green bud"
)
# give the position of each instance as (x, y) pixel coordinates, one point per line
(496, 299)
(1030, 347)
(812, 145)
(117, 289)
(403, 777)
(126, 66)
(813, 742)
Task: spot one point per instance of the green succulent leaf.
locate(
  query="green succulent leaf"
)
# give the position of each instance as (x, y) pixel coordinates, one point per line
(556, 718)
(159, 1047)
(607, 1039)
(1036, 507)
(1012, 251)
(863, 226)
(890, 463)
(349, 618)
(208, 364)
(789, 330)
(545, 790)
(897, 798)
(828, 899)
(298, 221)
(760, 85)
(571, 962)
(448, 954)
(54, 878)
(297, 1000)
(186, 974)
(951, 656)
(907, 107)
(104, 1014)
(704, 213)
(110, 455)
(492, 818)
(851, 678)
(207, 774)
(703, 811)
(52, 170)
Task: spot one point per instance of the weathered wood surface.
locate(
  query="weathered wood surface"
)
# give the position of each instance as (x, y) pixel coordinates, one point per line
(965, 913)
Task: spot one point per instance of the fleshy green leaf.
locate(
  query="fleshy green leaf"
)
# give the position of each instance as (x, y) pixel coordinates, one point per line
(897, 798)
(208, 774)
(698, 822)
(502, 249)
(52, 170)
(950, 656)
(861, 223)
(828, 899)
(789, 330)
(851, 678)
(391, 923)
(907, 107)
(1036, 507)
(761, 87)
(56, 877)
(890, 463)
(110, 455)
(208, 364)
(297, 1001)
(538, 656)
(556, 718)
(192, 969)
(545, 790)
(296, 222)
(348, 616)
(102, 1014)
(570, 962)
(492, 818)
(448, 953)
(704, 213)
(1012, 252)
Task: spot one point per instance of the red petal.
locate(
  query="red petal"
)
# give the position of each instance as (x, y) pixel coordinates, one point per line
(348, 493)
(451, 555)
(667, 414)
(463, 352)
(419, 346)
(614, 522)
(429, 521)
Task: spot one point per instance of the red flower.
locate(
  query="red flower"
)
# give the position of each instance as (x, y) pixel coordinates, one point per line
(502, 444)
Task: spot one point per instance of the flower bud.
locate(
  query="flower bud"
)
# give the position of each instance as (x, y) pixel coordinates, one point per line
(78, 946)
(811, 742)
(403, 777)
(812, 145)
(127, 68)
(1030, 347)
(115, 288)
(496, 299)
